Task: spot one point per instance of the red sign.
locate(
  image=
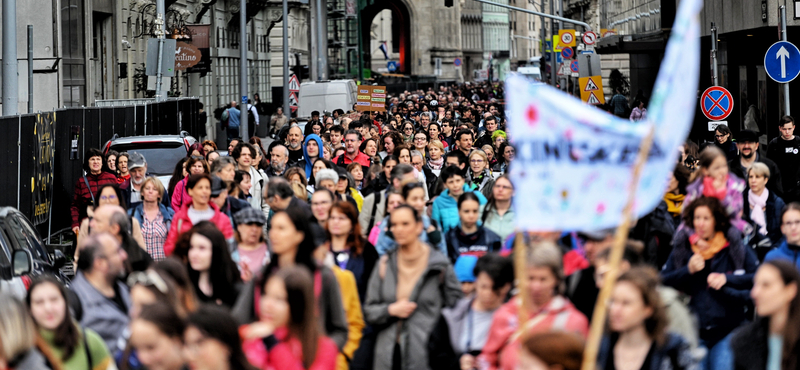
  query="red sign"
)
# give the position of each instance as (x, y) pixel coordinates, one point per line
(186, 56)
(716, 103)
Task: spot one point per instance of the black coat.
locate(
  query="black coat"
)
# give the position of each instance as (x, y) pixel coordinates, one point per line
(750, 347)
(774, 183)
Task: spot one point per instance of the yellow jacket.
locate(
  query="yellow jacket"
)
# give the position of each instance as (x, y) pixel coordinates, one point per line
(355, 319)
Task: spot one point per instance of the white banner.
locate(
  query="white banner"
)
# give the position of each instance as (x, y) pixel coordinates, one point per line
(574, 162)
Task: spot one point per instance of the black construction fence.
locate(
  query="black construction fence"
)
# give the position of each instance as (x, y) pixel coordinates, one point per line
(43, 153)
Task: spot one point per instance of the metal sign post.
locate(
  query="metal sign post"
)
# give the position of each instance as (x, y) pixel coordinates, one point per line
(243, 133)
(784, 37)
(714, 72)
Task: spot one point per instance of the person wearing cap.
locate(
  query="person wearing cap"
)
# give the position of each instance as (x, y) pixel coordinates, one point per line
(132, 188)
(228, 205)
(251, 245)
(581, 286)
(747, 142)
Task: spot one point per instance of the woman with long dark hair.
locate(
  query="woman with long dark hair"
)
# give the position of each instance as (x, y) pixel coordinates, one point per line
(77, 348)
(286, 335)
(293, 245)
(211, 341)
(772, 341)
(382, 181)
(214, 275)
(637, 322)
(350, 250)
(157, 338)
(178, 174)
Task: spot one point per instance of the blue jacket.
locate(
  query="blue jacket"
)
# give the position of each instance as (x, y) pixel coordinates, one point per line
(309, 163)
(386, 244)
(137, 212)
(445, 209)
(786, 252)
(719, 311)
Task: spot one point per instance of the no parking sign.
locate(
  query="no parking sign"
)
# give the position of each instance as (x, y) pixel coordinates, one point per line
(716, 103)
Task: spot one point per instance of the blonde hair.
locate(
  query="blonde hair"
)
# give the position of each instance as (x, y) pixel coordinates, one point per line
(759, 169)
(546, 254)
(16, 327)
(158, 185)
(482, 155)
(300, 191)
(436, 143)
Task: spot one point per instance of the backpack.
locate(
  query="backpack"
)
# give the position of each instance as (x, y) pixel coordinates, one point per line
(224, 119)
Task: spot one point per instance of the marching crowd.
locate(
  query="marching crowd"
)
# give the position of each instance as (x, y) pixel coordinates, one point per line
(385, 240)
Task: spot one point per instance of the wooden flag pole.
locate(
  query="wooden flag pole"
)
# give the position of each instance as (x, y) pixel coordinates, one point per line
(520, 255)
(620, 237)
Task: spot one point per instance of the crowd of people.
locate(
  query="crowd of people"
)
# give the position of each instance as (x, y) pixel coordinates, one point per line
(383, 240)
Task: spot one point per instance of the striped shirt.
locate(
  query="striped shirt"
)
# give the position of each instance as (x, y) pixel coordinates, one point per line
(155, 234)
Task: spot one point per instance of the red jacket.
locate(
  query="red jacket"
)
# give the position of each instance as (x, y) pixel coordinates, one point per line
(361, 158)
(181, 224)
(278, 352)
(502, 345)
(82, 198)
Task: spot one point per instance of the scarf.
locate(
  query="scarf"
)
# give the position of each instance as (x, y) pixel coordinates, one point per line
(674, 203)
(710, 191)
(716, 244)
(436, 164)
(757, 205)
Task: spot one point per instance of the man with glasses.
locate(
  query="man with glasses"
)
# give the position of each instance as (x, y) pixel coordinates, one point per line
(784, 150)
(352, 141)
(103, 300)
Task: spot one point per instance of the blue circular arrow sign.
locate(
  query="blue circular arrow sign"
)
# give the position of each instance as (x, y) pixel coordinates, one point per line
(782, 61)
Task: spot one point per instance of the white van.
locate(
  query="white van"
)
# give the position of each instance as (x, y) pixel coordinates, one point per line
(326, 96)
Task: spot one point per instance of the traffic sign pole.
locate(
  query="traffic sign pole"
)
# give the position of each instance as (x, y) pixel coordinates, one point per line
(783, 61)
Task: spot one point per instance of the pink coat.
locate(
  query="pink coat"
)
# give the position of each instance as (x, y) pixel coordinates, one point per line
(180, 195)
(181, 224)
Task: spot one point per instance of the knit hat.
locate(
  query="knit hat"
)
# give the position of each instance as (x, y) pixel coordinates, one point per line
(464, 267)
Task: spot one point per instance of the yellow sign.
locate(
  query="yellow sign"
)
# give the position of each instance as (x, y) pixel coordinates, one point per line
(606, 32)
(592, 90)
(566, 38)
(557, 43)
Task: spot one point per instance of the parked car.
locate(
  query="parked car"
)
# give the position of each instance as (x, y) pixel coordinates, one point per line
(23, 254)
(161, 152)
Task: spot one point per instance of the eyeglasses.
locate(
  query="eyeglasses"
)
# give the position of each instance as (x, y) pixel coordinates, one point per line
(148, 278)
(476, 161)
(419, 138)
(108, 197)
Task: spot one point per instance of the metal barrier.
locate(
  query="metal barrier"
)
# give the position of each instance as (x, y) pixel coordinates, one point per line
(42, 154)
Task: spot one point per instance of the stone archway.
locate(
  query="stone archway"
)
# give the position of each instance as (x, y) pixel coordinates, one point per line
(401, 28)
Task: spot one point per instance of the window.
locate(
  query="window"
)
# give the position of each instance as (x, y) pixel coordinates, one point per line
(74, 63)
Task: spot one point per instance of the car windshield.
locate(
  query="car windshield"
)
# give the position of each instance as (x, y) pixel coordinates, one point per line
(161, 157)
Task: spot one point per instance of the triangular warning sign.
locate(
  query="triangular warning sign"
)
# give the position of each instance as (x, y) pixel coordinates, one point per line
(591, 86)
(592, 98)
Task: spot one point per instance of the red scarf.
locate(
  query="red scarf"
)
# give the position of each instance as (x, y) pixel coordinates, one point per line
(710, 191)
